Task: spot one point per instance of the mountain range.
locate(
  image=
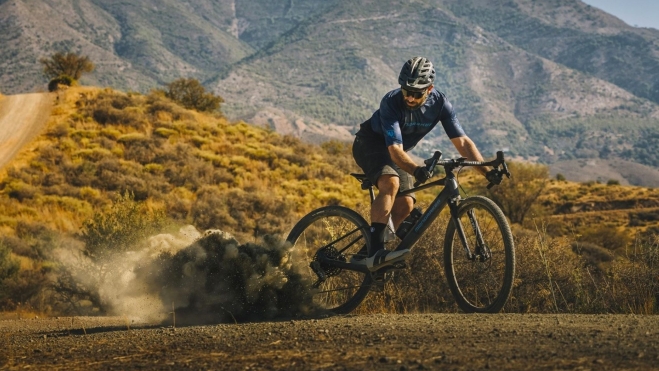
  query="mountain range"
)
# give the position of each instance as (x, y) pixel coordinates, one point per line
(556, 81)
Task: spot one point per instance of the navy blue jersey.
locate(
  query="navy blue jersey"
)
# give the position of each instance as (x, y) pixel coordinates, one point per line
(400, 125)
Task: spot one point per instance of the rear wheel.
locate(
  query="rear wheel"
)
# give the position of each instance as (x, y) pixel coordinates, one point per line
(481, 283)
(337, 233)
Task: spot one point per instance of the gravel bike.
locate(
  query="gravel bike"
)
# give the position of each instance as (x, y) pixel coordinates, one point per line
(479, 254)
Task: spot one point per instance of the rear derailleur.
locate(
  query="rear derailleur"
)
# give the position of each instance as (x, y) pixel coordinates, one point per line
(324, 271)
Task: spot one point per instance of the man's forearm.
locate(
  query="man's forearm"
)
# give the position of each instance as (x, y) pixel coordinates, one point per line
(467, 148)
(402, 159)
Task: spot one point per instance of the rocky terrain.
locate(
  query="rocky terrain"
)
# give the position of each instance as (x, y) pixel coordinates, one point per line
(366, 342)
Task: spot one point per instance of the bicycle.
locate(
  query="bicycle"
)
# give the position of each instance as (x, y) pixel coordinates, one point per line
(479, 261)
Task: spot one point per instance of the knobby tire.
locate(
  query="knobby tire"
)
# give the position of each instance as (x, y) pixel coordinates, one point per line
(480, 287)
(344, 290)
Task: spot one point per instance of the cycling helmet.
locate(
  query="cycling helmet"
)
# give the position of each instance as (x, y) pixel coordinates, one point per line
(417, 74)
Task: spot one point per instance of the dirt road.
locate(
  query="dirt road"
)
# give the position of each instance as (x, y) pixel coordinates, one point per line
(375, 342)
(22, 117)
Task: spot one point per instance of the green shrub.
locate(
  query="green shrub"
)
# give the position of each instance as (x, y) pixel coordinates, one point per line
(62, 80)
(192, 95)
(114, 108)
(120, 227)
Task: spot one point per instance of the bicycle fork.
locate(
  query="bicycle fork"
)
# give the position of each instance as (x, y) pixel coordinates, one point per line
(481, 252)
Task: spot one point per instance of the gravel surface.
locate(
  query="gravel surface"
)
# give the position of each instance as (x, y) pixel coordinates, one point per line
(22, 117)
(373, 342)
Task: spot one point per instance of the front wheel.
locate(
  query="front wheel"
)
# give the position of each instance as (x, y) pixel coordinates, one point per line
(481, 280)
(335, 232)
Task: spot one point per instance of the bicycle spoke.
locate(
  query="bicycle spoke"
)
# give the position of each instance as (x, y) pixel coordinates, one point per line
(332, 233)
(483, 283)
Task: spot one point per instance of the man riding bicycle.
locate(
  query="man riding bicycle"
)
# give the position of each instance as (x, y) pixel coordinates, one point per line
(405, 116)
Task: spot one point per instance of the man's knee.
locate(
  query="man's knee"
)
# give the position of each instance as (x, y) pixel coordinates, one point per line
(403, 205)
(388, 184)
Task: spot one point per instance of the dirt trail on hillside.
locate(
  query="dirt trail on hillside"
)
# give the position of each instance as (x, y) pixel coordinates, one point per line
(373, 342)
(22, 117)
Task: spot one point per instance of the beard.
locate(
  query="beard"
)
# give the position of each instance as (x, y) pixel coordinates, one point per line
(416, 104)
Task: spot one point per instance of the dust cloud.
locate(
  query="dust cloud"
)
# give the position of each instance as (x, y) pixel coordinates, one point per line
(195, 278)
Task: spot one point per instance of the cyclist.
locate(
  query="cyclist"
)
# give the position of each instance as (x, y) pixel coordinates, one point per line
(405, 116)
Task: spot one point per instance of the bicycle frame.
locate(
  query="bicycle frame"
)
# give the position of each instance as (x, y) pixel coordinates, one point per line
(449, 195)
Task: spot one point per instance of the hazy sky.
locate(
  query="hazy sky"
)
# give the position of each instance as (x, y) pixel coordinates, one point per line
(641, 13)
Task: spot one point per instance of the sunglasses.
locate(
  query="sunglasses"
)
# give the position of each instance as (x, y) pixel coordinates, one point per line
(413, 94)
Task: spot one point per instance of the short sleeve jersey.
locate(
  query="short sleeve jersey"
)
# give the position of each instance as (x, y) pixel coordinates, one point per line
(400, 125)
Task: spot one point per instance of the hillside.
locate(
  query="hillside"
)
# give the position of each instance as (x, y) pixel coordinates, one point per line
(113, 172)
(549, 82)
(195, 168)
(134, 47)
(504, 94)
(507, 97)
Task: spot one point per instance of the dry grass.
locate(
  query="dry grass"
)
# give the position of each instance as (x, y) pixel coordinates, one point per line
(588, 204)
(593, 251)
(551, 278)
(99, 144)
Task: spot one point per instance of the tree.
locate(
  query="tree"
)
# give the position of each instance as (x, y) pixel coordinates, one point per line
(69, 64)
(192, 95)
(517, 195)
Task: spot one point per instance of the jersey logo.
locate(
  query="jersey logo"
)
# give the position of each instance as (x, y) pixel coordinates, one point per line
(391, 133)
(420, 124)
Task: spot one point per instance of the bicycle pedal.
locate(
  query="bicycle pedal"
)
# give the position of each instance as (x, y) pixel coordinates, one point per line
(399, 265)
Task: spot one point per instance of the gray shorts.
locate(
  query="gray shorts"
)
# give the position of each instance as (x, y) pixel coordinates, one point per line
(372, 155)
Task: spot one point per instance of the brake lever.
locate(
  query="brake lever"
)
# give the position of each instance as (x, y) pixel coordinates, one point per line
(430, 165)
(432, 162)
(505, 171)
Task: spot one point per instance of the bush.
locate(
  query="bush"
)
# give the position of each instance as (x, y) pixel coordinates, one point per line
(606, 236)
(21, 191)
(246, 214)
(62, 80)
(119, 228)
(8, 266)
(592, 254)
(192, 95)
(38, 236)
(113, 108)
(518, 194)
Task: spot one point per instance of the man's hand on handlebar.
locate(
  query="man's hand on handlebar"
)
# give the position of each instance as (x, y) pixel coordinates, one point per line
(421, 174)
(495, 176)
